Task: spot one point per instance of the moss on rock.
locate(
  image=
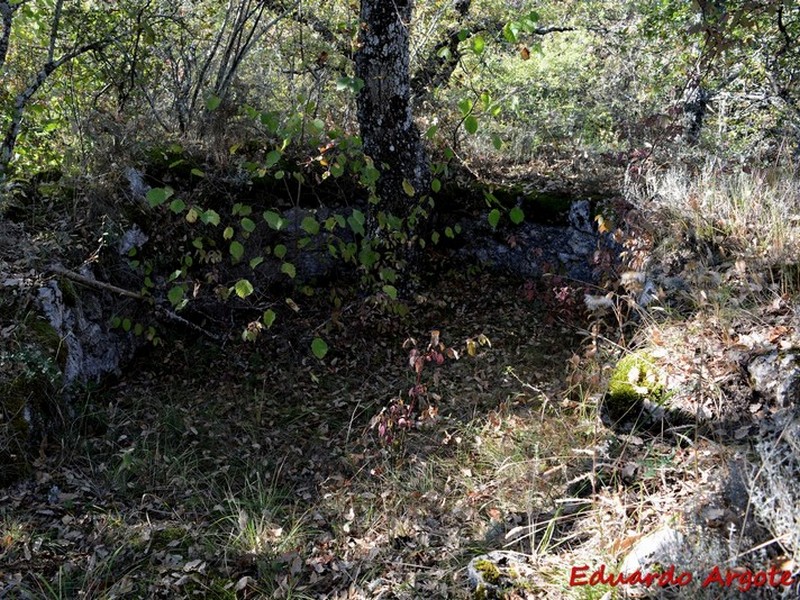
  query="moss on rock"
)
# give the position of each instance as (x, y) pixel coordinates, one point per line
(635, 378)
(489, 571)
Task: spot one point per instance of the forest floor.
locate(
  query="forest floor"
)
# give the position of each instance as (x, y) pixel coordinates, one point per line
(256, 472)
(259, 470)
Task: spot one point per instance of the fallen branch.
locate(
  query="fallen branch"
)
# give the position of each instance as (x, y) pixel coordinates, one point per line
(162, 313)
(100, 285)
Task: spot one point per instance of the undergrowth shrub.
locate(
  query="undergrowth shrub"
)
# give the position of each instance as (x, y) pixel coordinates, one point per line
(419, 405)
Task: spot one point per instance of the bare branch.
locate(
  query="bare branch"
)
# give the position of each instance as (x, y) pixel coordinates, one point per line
(98, 285)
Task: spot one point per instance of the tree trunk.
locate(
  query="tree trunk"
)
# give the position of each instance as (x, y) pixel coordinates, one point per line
(384, 106)
(7, 11)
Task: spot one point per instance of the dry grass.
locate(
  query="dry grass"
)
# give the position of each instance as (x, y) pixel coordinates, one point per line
(755, 213)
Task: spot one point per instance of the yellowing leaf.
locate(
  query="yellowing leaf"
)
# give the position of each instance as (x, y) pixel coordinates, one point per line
(289, 269)
(243, 288)
(408, 188)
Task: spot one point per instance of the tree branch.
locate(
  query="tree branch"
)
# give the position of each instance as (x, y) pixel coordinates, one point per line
(98, 285)
(436, 69)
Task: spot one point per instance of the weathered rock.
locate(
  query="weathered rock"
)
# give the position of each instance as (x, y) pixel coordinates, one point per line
(56, 338)
(775, 486)
(80, 320)
(537, 248)
(776, 376)
(663, 546)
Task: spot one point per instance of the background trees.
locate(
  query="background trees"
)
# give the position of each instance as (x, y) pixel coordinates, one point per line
(567, 77)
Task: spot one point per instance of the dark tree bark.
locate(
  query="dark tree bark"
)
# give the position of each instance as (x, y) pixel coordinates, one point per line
(7, 10)
(384, 105)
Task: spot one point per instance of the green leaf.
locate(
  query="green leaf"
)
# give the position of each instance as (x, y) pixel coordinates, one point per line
(175, 294)
(268, 318)
(177, 206)
(369, 175)
(354, 84)
(510, 32)
(497, 142)
(337, 170)
(270, 121)
(478, 44)
(236, 250)
(436, 185)
(228, 233)
(448, 231)
(274, 220)
(243, 288)
(310, 225)
(356, 222)
(368, 257)
(431, 132)
(390, 291)
(126, 324)
(435, 237)
(466, 106)
(289, 269)
(213, 102)
(198, 173)
(272, 159)
(279, 251)
(494, 217)
(408, 188)
(254, 262)
(248, 225)
(210, 217)
(516, 215)
(157, 196)
(471, 124)
(242, 209)
(388, 274)
(319, 348)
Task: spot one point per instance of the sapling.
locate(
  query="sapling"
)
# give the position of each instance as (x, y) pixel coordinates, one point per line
(401, 416)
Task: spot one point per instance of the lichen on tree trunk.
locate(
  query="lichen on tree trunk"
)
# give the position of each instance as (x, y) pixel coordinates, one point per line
(387, 126)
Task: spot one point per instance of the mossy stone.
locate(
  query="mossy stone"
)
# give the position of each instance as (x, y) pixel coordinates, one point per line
(635, 378)
(489, 571)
